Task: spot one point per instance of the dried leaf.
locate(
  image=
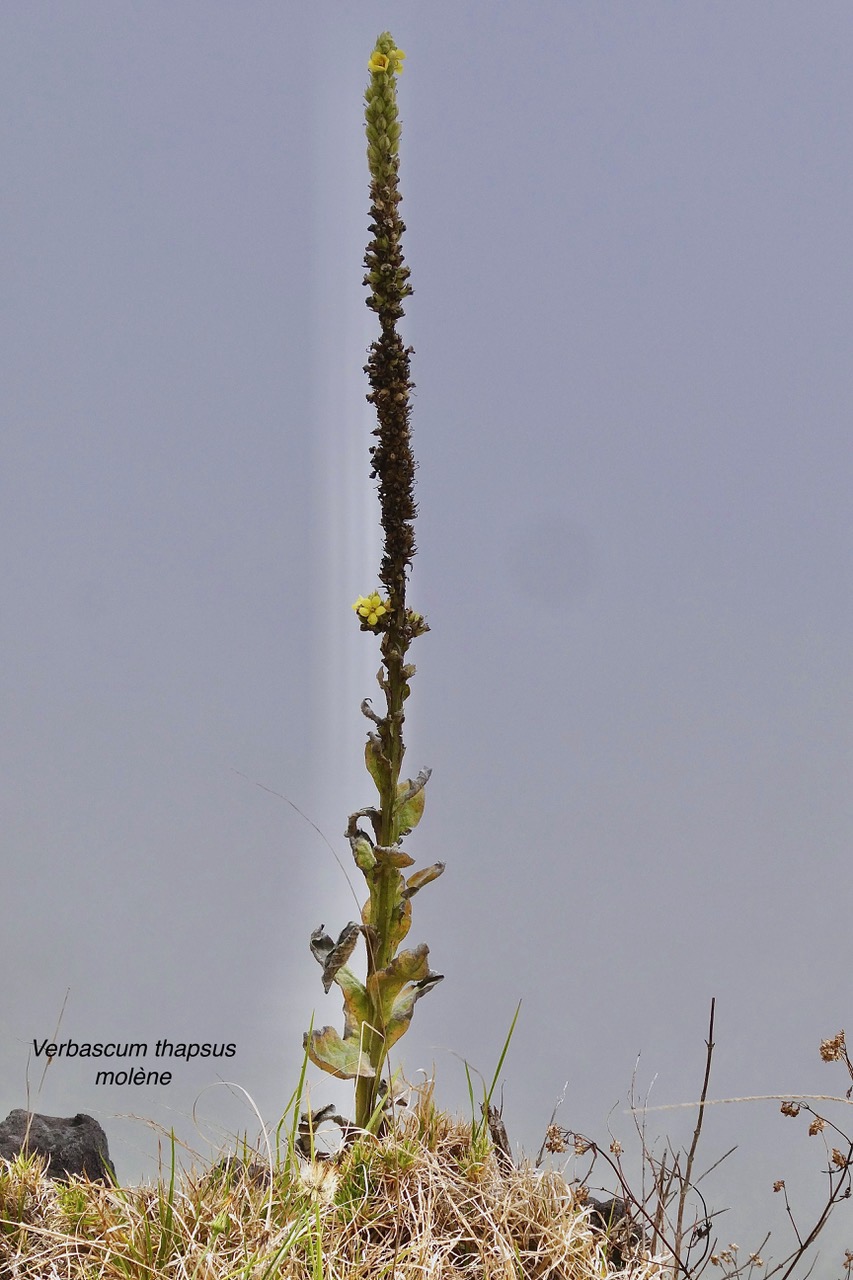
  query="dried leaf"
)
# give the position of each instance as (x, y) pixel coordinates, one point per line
(420, 878)
(392, 856)
(331, 955)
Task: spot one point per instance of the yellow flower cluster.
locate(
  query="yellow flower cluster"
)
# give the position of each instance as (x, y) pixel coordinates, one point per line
(371, 608)
(386, 62)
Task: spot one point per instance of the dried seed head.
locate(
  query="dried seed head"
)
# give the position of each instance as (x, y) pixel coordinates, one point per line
(555, 1139)
(320, 1180)
(833, 1050)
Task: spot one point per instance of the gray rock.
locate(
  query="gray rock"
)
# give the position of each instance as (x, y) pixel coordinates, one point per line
(613, 1218)
(75, 1146)
(607, 1213)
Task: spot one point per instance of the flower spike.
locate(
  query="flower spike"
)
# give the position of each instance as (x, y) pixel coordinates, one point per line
(378, 1010)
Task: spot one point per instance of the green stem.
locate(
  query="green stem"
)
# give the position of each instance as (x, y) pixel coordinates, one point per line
(393, 465)
(394, 468)
(385, 890)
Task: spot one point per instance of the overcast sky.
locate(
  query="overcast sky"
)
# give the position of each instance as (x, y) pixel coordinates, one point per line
(629, 236)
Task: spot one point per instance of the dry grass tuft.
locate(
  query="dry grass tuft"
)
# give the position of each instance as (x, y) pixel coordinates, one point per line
(426, 1201)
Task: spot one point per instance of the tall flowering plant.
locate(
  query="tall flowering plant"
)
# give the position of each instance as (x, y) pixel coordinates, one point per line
(378, 1010)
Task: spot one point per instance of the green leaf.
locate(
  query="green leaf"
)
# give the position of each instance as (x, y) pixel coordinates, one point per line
(401, 923)
(408, 965)
(356, 1004)
(385, 984)
(409, 805)
(398, 1023)
(404, 1007)
(362, 851)
(378, 764)
(344, 1059)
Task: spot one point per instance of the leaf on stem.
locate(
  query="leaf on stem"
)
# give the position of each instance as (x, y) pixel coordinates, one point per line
(356, 1004)
(362, 852)
(397, 988)
(404, 1007)
(420, 878)
(401, 919)
(409, 805)
(331, 955)
(392, 856)
(345, 1059)
(378, 764)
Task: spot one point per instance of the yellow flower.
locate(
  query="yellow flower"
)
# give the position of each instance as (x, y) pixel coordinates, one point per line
(371, 608)
(386, 62)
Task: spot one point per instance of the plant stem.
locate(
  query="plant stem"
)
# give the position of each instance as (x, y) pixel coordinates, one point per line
(691, 1155)
(394, 467)
(378, 1011)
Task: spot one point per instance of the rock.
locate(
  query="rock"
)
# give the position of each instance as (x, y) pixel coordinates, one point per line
(613, 1218)
(75, 1146)
(607, 1213)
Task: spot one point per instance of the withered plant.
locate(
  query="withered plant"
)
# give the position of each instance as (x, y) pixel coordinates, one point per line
(378, 1010)
(671, 1215)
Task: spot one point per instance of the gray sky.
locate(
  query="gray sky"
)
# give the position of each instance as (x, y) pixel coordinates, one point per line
(629, 235)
